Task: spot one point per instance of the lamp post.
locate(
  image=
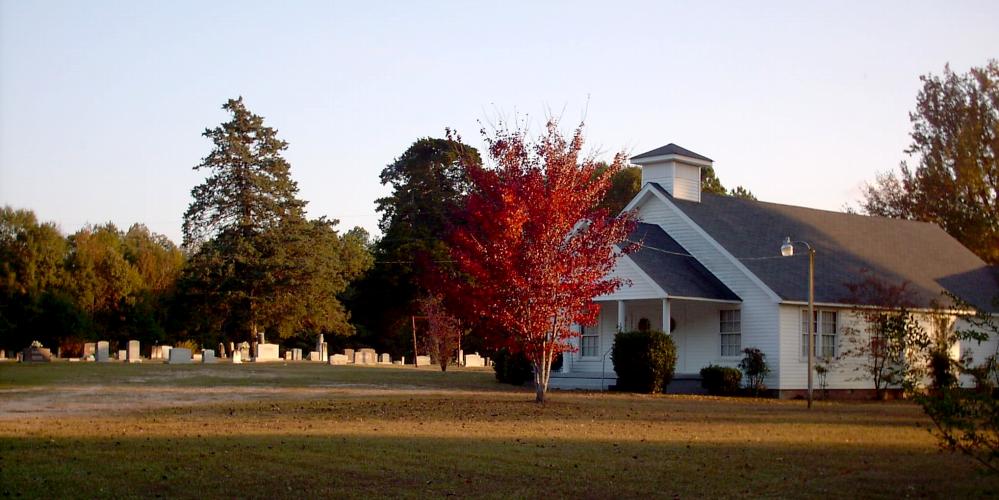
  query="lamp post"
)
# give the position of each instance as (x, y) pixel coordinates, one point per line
(787, 250)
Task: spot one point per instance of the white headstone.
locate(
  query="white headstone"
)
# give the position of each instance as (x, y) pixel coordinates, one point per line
(103, 355)
(423, 360)
(122, 354)
(314, 356)
(237, 358)
(267, 352)
(133, 352)
(338, 359)
(474, 361)
(180, 355)
(207, 356)
(385, 358)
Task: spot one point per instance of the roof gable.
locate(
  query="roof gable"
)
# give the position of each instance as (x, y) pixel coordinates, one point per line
(671, 267)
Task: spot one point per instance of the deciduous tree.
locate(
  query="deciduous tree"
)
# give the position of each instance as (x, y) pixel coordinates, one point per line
(891, 348)
(533, 249)
(443, 333)
(428, 184)
(955, 142)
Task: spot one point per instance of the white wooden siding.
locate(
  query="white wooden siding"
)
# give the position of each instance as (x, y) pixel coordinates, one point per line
(661, 173)
(759, 304)
(687, 185)
(638, 284)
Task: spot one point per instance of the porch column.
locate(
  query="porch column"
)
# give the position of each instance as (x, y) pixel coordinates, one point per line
(666, 316)
(620, 315)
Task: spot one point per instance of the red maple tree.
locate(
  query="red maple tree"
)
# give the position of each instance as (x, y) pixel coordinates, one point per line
(532, 247)
(443, 336)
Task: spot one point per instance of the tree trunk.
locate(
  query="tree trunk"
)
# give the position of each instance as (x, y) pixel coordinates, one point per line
(539, 388)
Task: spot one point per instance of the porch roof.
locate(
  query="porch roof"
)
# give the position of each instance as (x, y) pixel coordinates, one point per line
(677, 272)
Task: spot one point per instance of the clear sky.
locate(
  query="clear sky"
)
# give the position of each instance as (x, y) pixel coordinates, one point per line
(102, 103)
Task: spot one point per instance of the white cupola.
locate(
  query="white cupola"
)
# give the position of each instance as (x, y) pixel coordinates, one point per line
(676, 169)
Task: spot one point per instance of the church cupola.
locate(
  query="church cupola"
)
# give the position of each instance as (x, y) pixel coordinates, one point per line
(676, 169)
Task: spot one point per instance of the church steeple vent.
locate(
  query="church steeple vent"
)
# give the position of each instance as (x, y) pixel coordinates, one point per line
(676, 169)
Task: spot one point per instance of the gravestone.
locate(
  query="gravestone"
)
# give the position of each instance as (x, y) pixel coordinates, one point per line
(89, 349)
(232, 348)
(267, 352)
(289, 356)
(35, 353)
(122, 354)
(222, 350)
(161, 352)
(350, 355)
(321, 348)
(103, 355)
(207, 356)
(365, 357)
(133, 352)
(296, 354)
(474, 361)
(180, 356)
(244, 350)
(423, 360)
(237, 358)
(338, 359)
(314, 356)
(385, 358)
(461, 357)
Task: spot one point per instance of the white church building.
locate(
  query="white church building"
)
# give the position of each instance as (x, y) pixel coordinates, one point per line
(710, 272)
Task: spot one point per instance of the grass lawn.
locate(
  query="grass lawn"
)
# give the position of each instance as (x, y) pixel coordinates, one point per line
(301, 430)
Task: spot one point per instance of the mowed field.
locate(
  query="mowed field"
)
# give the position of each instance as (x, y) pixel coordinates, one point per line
(306, 430)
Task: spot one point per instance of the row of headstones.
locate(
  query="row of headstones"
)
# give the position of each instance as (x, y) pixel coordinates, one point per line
(101, 352)
(365, 356)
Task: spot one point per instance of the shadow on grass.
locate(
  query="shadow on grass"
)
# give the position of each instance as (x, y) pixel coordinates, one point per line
(268, 466)
(14, 375)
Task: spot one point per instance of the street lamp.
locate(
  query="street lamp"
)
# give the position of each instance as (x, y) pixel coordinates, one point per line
(787, 250)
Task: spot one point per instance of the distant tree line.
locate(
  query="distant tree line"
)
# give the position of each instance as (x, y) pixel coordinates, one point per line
(99, 282)
(251, 262)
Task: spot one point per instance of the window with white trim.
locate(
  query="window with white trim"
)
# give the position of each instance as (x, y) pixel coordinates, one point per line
(825, 323)
(731, 332)
(589, 343)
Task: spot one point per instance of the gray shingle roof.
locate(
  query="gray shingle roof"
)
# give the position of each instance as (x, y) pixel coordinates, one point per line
(671, 149)
(846, 246)
(673, 268)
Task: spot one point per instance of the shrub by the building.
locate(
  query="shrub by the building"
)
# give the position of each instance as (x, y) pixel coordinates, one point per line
(644, 361)
(754, 365)
(720, 380)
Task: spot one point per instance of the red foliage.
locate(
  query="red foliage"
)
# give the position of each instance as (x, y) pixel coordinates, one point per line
(443, 330)
(533, 247)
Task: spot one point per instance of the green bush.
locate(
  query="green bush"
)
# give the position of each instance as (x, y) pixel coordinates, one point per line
(512, 368)
(644, 361)
(754, 365)
(720, 380)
